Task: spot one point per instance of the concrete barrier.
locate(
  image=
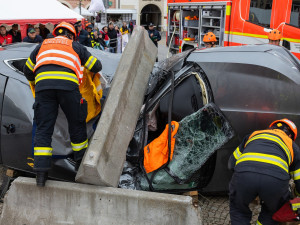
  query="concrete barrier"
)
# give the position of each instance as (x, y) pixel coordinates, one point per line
(82, 204)
(104, 159)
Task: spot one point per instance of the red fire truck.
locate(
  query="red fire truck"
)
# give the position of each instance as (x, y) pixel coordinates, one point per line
(234, 22)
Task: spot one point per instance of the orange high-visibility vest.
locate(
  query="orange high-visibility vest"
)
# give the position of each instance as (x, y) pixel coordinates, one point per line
(156, 153)
(286, 140)
(59, 51)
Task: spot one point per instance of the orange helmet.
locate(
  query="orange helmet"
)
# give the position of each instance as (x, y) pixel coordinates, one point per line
(65, 25)
(290, 124)
(275, 35)
(209, 37)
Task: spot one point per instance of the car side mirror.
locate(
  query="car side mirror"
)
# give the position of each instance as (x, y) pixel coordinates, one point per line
(286, 44)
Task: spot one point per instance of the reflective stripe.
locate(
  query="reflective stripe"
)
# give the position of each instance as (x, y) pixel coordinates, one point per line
(57, 75)
(258, 223)
(295, 206)
(237, 154)
(61, 53)
(295, 174)
(93, 63)
(275, 139)
(90, 63)
(80, 146)
(29, 66)
(31, 63)
(264, 158)
(62, 60)
(42, 151)
(228, 10)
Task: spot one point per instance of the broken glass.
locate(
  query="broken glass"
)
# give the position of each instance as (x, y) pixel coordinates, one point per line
(199, 136)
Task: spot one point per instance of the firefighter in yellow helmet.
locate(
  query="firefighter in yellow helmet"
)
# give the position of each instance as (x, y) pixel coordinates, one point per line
(54, 70)
(262, 164)
(210, 40)
(274, 37)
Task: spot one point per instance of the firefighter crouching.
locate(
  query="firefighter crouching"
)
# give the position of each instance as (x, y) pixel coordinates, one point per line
(210, 40)
(262, 166)
(54, 70)
(274, 37)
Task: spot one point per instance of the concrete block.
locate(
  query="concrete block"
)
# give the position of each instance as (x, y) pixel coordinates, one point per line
(104, 159)
(69, 203)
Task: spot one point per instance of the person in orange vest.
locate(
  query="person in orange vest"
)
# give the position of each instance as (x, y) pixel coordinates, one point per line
(263, 164)
(54, 70)
(274, 37)
(210, 40)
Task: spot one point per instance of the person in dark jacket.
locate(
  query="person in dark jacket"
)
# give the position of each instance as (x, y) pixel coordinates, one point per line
(154, 34)
(113, 36)
(44, 31)
(263, 164)
(99, 40)
(32, 37)
(131, 26)
(83, 36)
(15, 33)
(53, 69)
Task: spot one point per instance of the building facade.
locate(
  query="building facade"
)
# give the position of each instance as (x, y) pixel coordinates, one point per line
(147, 11)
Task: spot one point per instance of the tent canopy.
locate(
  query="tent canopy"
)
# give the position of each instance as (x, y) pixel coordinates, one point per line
(84, 12)
(24, 12)
(45, 11)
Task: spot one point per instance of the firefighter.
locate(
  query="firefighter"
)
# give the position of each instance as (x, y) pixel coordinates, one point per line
(210, 40)
(274, 37)
(54, 70)
(263, 164)
(89, 29)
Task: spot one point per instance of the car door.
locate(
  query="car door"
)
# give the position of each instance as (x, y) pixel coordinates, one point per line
(2, 87)
(16, 125)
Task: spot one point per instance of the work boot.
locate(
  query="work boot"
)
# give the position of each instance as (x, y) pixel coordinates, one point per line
(41, 178)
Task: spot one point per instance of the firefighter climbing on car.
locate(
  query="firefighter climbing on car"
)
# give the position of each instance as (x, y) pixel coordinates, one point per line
(54, 70)
(262, 164)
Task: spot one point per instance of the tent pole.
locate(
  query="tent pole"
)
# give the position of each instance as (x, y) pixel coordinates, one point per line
(80, 7)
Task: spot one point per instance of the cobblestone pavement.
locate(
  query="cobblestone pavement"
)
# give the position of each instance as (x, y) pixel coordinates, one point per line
(215, 210)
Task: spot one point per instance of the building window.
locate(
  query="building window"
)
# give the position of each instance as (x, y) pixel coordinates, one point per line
(295, 16)
(260, 12)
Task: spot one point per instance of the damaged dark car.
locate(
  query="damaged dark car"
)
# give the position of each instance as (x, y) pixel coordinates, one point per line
(216, 95)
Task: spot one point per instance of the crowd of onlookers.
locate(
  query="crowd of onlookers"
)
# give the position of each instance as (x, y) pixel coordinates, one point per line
(110, 38)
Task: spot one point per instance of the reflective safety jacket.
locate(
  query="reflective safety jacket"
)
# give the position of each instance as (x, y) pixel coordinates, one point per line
(59, 51)
(269, 152)
(56, 64)
(156, 154)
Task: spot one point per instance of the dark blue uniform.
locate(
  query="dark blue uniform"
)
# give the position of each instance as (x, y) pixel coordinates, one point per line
(263, 165)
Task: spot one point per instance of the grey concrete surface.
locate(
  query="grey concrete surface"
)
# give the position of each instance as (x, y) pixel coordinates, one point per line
(104, 159)
(69, 203)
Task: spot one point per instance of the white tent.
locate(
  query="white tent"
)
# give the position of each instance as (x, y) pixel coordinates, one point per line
(24, 12)
(84, 12)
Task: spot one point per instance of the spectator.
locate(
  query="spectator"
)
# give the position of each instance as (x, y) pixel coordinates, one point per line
(33, 37)
(5, 38)
(37, 30)
(119, 40)
(43, 31)
(15, 33)
(154, 34)
(112, 34)
(83, 36)
(99, 40)
(50, 35)
(131, 27)
(124, 29)
(89, 29)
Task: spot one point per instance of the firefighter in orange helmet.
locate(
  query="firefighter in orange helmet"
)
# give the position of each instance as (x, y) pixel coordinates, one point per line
(262, 164)
(210, 40)
(54, 70)
(274, 37)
